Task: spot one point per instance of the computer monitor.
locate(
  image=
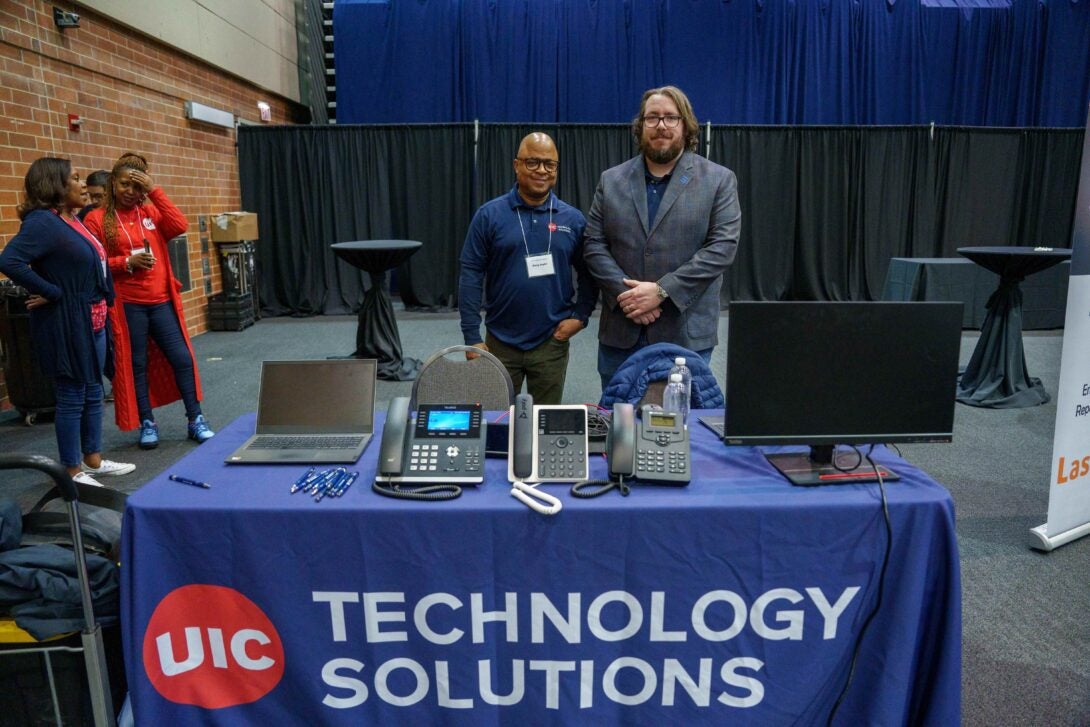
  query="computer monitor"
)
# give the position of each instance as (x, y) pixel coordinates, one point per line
(828, 373)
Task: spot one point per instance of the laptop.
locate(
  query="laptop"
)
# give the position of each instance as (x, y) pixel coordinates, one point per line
(312, 412)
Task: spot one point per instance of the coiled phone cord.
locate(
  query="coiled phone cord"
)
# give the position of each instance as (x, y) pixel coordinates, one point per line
(535, 499)
(582, 489)
(425, 492)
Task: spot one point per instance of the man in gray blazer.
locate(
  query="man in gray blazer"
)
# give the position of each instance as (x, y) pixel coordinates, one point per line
(661, 231)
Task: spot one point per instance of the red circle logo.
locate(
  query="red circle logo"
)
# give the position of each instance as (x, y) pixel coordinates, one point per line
(212, 647)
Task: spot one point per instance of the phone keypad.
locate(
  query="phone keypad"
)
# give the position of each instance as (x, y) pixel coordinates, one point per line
(424, 458)
(652, 461)
(562, 459)
(445, 458)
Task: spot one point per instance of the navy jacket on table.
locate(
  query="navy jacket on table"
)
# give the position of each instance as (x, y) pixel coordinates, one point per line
(49, 258)
(686, 249)
(523, 311)
(631, 381)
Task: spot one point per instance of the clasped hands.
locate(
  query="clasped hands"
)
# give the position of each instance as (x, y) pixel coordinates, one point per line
(640, 303)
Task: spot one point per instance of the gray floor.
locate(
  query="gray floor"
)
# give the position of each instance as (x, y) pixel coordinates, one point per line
(1026, 650)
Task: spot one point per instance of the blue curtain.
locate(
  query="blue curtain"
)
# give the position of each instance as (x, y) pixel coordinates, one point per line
(1017, 63)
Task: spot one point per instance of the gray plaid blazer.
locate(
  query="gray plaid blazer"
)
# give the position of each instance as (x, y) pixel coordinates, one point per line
(691, 243)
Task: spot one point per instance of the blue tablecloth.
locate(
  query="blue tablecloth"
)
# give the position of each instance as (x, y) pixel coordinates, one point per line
(735, 600)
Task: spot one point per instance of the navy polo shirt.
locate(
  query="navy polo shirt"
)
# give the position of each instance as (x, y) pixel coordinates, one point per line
(656, 189)
(522, 311)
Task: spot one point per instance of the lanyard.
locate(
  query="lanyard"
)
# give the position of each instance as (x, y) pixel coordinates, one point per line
(523, 229)
(122, 225)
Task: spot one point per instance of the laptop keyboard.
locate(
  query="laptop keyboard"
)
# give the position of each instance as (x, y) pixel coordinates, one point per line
(305, 442)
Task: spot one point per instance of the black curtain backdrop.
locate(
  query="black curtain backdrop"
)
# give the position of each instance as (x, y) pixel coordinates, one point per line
(585, 150)
(315, 185)
(823, 208)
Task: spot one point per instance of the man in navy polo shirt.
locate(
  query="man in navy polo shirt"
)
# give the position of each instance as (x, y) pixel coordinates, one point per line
(523, 247)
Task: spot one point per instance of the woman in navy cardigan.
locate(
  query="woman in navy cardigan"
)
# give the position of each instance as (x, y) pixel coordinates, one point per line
(64, 267)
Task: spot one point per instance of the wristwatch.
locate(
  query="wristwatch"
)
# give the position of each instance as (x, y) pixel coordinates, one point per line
(663, 295)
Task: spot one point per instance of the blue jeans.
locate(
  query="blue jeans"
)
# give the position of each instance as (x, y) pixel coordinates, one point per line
(161, 323)
(78, 418)
(610, 358)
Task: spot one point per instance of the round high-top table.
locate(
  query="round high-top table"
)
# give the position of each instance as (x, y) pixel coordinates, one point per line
(996, 376)
(377, 336)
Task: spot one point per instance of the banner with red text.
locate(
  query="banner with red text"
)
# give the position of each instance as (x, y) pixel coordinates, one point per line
(1069, 493)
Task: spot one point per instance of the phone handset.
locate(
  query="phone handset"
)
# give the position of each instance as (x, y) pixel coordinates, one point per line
(621, 440)
(520, 463)
(392, 452)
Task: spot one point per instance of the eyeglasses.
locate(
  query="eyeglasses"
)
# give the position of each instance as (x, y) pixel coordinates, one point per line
(535, 164)
(668, 121)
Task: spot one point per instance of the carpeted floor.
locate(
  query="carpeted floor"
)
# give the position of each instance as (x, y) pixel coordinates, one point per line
(1026, 649)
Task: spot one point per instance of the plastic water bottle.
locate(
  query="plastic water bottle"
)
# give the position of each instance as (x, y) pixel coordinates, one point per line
(686, 376)
(675, 398)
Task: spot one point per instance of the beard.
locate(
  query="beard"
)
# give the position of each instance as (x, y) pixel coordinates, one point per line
(663, 156)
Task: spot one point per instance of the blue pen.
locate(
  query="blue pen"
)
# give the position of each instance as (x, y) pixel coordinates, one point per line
(324, 488)
(316, 478)
(337, 486)
(187, 481)
(298, 484)
(329, 485)
(321, 482)
(346, 484)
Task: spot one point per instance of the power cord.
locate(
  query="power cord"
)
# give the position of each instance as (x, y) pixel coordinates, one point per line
(858, 459)
(423, 492)
(597, 423)
(881, 586)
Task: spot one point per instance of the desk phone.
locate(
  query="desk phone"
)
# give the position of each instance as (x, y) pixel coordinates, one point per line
(654, 449)
(440, 443)
(548, 443)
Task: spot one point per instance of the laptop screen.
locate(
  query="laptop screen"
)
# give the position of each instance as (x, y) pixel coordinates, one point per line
(317, 397)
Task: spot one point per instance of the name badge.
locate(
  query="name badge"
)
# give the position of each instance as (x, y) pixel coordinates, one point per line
(540, 266)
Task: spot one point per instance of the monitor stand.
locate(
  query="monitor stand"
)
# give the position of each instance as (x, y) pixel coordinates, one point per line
(816, 468)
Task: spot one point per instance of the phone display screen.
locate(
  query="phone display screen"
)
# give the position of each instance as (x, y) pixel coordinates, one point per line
(449, 421)
(562, 421)
(663, 420)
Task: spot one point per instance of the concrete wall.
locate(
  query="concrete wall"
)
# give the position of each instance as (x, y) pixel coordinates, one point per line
(252, 39)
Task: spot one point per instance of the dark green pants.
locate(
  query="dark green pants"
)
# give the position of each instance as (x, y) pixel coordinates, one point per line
(544, 367)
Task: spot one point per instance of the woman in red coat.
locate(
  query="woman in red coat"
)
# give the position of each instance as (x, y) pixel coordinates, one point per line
(154, 358)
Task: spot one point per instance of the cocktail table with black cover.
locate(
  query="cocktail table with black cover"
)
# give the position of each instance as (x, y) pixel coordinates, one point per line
(377, 336)
(996, 376)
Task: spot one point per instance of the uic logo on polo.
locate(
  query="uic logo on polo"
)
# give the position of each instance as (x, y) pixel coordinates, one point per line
(212, 647)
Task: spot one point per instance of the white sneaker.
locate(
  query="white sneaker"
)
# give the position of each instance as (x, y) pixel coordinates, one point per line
(109, 468)
(85, 479)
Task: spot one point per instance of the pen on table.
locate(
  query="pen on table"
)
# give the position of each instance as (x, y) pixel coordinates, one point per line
(298, 484)
(187, 481)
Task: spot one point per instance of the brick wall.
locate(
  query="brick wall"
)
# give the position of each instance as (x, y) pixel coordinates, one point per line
(129, 90)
